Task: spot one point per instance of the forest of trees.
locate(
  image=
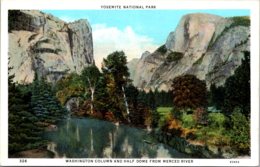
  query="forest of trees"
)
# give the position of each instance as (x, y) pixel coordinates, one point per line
(31, 108)
(110, 95)
(220, 116)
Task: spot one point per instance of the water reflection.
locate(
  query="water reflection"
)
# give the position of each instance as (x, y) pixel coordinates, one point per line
(90, 138)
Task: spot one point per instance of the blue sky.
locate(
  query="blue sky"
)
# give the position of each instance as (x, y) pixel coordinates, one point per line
(142, 29)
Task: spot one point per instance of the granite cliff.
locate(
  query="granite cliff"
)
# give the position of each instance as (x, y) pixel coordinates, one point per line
(208, 46)
(43, 44)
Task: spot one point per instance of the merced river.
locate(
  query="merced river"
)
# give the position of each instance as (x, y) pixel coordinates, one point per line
(92, 138)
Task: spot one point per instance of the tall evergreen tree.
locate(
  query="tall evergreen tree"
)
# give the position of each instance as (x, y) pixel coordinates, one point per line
(23, 132)
(102, 97)
(217, 96)
(44, 103)
(237, 88)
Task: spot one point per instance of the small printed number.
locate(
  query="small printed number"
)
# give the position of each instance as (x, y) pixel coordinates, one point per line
(234, 162)
(23, 160)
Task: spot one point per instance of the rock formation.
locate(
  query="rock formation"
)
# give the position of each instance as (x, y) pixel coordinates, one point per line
(208, 46)
(43, 44)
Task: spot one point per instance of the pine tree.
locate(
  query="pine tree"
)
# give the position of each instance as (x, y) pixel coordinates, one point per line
(44, 104)
(23, 132)
(101, 96)
(217, 96)
(237, 88)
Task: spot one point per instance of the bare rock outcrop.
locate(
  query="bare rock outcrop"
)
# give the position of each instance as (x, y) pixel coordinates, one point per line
(43, 44)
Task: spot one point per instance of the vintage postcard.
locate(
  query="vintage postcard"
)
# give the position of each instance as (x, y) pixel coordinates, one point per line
(130, 83)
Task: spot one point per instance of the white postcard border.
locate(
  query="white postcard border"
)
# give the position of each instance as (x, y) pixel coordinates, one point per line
(252, 5)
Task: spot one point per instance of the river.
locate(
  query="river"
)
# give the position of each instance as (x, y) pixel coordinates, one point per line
(92, 138)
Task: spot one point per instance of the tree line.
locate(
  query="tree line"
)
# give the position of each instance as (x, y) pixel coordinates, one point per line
(110, 95)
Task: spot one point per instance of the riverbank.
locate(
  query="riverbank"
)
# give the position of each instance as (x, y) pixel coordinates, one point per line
(34, 153)
(190, 147)
(40, 152)
(196, 150)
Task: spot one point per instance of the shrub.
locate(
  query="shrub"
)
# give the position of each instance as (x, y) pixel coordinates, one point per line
(188, 121)
(240, 21)
(188, 133)
(162, 49)
(164, 113)
(217, 137)
(173, 126)
(174, 56)
(164, 120)
(216, 120)
(240, 132)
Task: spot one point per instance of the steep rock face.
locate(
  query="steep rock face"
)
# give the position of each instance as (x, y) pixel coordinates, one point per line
(43, 44)
(208, 46)
(145, 68)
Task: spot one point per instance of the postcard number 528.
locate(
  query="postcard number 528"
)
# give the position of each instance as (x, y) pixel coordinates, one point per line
(23, 160)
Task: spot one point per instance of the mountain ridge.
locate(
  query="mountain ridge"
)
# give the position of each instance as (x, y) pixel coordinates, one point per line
(208, 46)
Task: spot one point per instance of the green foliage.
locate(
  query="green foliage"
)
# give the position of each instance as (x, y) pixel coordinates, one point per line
(237, 88)
(240, 132)
(240, 21)
(217, 96)
(140, 115)
(116, 75)
(217, 120)
(162, 49)
(23, 132)
(164, 113)
(44, 103)
(213, 136)
(164, 110)
(189, 92)
(199, 61)
(132, 94)
(90, 76)
(69, 86)
(174, 56)
(116, 64)
(156, 99)
(101, 100)
(163, 98)
(188, 121)
(155, 119)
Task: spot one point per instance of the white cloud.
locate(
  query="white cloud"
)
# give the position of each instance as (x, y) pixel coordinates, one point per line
(109, 39)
